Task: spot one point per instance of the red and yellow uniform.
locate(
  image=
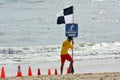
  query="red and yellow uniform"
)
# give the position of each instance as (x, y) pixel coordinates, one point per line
(64, 51)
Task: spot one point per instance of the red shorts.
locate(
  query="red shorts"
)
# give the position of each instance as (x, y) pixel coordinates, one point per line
(66, 57)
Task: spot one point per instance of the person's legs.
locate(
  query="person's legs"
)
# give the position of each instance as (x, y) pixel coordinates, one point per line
(61, 68)
(71, 65)
(69, 58)
(62, 63)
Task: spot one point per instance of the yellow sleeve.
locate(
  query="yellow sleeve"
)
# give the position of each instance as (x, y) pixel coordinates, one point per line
(71, 46)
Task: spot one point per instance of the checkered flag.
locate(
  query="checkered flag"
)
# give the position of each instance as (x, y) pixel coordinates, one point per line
(66, 16)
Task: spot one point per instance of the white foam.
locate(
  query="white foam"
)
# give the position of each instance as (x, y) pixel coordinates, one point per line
(82, 51)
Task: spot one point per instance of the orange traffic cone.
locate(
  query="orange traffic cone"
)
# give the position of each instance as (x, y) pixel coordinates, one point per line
(56, 72)
(39, 73)
(19, 73)
(3, 73)
(68, 70)
(49, 71)
(29, 71)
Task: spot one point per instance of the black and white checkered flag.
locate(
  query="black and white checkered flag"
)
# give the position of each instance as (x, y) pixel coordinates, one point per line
(66, 16)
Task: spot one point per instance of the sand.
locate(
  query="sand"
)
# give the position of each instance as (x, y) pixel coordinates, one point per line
(82, 72)
(81, 76)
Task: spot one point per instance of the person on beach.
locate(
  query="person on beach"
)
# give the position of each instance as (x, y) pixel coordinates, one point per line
(65, 55)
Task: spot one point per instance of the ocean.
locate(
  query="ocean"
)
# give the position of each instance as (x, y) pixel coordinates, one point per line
(29, 33)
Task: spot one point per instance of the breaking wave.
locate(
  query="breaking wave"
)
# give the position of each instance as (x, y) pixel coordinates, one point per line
(82, 51)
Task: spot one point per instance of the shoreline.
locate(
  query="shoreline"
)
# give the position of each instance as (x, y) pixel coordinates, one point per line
(78, 76)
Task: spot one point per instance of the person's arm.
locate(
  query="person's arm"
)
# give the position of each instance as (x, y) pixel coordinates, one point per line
(72, 45)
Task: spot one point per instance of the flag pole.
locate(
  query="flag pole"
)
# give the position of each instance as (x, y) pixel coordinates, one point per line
(73, 24)
(72, 70)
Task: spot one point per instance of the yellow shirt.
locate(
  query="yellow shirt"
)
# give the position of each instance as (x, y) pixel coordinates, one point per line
(65, 46)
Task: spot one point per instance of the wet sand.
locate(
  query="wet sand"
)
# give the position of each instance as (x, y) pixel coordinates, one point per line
(81, 76)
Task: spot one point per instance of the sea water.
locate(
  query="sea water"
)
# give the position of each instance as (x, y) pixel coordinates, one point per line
(29, 33)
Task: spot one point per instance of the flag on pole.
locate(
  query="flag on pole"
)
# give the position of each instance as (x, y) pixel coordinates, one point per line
(66, 16)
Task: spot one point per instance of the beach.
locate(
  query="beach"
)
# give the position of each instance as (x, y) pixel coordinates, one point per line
(83, 76)
(82, 68)
(30, 37)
